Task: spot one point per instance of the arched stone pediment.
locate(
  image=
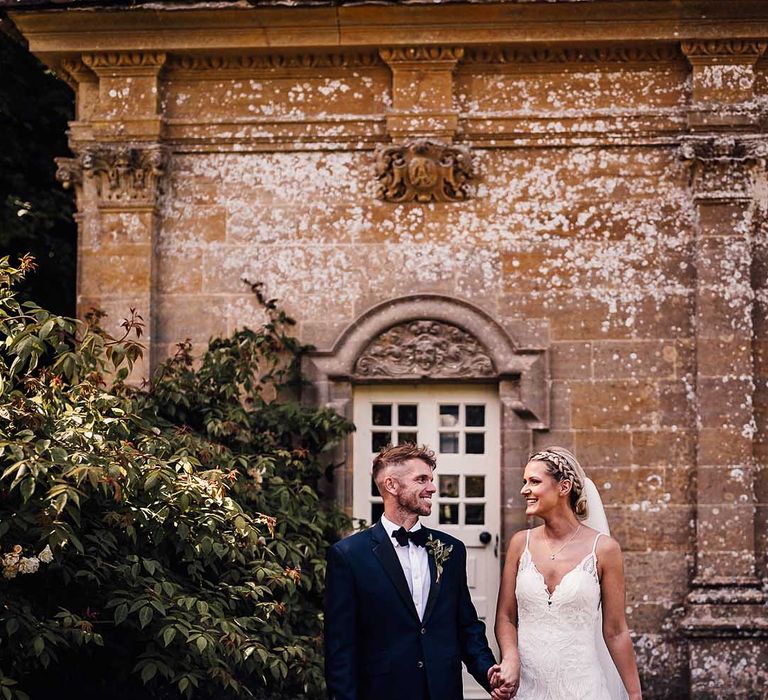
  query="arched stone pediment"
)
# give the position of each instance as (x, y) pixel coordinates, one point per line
(425, 348)
(430, 337)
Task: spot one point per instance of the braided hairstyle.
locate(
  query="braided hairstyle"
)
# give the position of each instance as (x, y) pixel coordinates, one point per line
(562, 465)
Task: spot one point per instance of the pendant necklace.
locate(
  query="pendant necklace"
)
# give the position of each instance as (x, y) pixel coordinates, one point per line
(552, 555)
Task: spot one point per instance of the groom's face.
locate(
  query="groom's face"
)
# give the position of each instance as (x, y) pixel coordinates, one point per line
(414, 486)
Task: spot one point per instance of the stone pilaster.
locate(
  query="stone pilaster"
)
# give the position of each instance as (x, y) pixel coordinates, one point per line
(117, 172)
(726, 619)
(422, 92)
(723, 79)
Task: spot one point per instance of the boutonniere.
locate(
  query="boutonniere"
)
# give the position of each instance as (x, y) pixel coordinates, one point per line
(440, 553)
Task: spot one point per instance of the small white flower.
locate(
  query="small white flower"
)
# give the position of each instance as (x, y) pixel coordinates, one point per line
(28, 565)
(46, 556)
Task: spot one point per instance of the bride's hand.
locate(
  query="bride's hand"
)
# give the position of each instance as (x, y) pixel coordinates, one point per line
(506, 679)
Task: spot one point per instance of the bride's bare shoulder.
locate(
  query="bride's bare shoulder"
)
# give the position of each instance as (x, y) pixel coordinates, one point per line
(517, 543)
(607, 546)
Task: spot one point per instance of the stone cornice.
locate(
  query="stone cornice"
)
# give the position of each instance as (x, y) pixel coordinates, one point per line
(58, 33)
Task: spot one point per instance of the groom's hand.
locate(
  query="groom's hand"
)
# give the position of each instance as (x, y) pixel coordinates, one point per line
(498, 691)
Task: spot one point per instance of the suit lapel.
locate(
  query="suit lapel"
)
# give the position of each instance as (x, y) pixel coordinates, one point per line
(385, 553)
(434, 586)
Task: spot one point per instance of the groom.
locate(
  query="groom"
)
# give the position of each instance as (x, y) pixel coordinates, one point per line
(398, 616)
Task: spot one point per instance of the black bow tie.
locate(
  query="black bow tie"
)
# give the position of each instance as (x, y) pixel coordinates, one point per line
(418, 537)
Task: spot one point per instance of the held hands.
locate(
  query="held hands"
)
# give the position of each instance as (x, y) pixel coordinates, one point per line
(504, 679)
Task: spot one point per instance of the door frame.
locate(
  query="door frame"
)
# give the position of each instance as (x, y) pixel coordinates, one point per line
(521, 373)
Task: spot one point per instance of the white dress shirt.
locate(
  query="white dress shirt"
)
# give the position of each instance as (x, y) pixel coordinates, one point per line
(415, 563)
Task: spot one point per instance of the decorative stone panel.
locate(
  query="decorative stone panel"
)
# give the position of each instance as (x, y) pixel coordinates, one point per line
(425, 348)
(423, 171)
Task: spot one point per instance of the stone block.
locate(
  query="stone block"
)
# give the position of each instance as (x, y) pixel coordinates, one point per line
(663, 448)
(727, 445)
(727, 485)
(657, 577)
(634, 359)
(721, 218)
(676, 404)
(571, 360)
(652, 528)
(197, 317)
(614, 405)
(116, 272)
(725, 402)
(602, 448)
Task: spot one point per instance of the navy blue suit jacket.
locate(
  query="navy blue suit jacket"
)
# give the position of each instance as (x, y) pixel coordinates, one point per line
(376, 648)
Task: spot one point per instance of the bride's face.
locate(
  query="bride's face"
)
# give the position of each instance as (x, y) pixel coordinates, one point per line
(540, 489)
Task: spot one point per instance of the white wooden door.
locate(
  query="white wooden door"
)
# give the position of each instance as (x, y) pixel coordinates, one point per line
(461, 424)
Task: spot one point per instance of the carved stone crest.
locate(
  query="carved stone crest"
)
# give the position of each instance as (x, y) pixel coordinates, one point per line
(423, 171)
(425, 348)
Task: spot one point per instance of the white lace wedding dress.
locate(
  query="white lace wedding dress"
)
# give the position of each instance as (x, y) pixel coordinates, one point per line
(562, 656)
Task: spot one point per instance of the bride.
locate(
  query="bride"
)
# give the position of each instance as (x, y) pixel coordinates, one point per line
(561, 601)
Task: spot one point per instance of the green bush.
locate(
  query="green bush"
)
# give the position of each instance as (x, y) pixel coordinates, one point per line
(159, 542)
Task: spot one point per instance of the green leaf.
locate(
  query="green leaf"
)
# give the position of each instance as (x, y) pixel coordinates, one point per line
(168, 635)
(121, 613)
(145, 615)
(148, 672)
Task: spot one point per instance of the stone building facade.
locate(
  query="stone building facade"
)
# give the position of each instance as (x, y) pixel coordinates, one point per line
(560, 204)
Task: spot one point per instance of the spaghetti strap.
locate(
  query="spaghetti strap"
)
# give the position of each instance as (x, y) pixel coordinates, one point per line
(594, 546)
(527, 537)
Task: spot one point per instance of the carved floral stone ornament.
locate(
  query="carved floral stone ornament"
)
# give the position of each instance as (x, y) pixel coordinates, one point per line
(723, 148)
(423, 171)
(425, 348)
(125, 174)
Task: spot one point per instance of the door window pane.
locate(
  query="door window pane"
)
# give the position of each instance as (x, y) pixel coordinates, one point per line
(406, 437)
(381, 414)
(449, 485)
(474, 514)
(377, 510)
(374, 488)
(475, 416)
(449, 513)
(475, 443)
(379, 440)
(475, 486)
(407, 415)
(449, 443)
(449, 415)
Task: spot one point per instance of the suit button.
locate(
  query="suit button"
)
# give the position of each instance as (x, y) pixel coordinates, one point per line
(420, 664)
(423, 630)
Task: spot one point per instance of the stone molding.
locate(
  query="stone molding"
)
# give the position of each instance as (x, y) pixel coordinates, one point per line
(423, 171)
(425, 349)
(273, 61)
(421, 54)
(125, 59)
(723, 51)
(651, 53)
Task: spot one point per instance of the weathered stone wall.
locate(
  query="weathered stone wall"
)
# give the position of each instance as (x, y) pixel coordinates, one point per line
(616, 222)
(572, 243)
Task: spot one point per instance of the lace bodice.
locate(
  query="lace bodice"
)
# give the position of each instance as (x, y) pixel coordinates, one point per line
(556, 633)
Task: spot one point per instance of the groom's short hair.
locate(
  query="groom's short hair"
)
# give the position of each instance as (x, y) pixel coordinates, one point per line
(397, 454)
